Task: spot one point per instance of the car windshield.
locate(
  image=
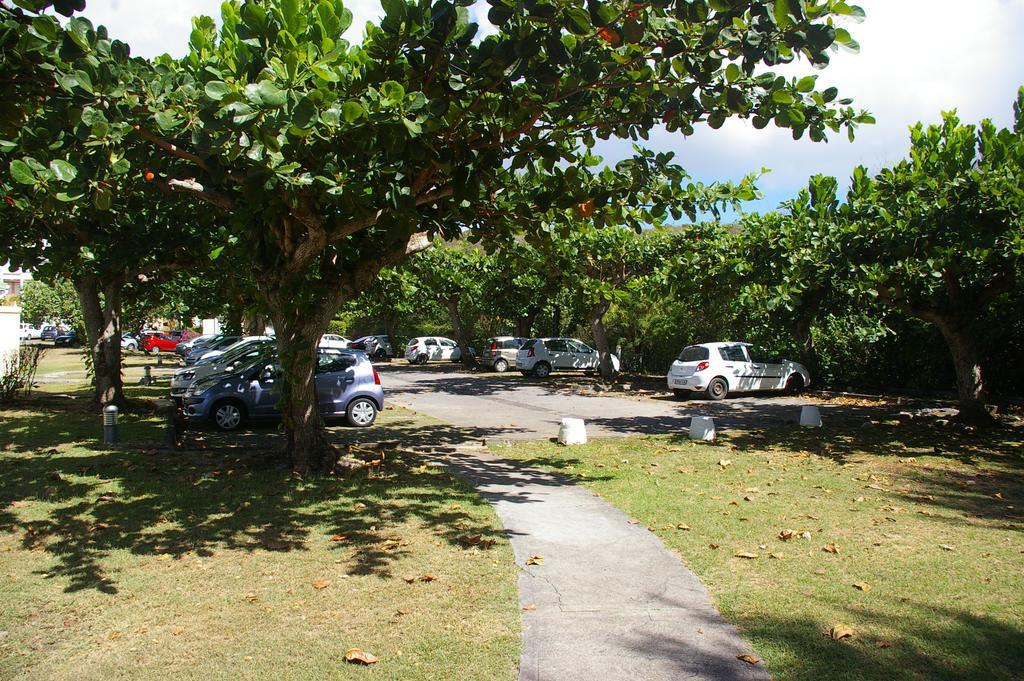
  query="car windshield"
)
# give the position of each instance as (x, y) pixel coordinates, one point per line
(694, 353)
(239, 349)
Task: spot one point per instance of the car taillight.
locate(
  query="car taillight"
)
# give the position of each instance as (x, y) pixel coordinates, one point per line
(703, 365)
(531, 353)
(376, 376)
(494, 346)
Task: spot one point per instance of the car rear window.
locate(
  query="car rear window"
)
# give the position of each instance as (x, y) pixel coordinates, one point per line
(511, 344)
(694, 353)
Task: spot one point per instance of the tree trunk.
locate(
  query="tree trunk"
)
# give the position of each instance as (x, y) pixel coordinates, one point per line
(556, 322)
(389, 322)
(808, 353)
(524, 325)
(103, 336)
(298, 334)
(460, 334)
(597, 313)
(967, 365)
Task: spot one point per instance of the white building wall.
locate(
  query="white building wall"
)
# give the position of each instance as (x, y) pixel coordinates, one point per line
(10, 332)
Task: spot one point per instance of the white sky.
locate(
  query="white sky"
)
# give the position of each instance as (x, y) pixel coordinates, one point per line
(917, 58)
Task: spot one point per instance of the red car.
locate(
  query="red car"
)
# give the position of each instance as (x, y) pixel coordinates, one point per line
(159, 342)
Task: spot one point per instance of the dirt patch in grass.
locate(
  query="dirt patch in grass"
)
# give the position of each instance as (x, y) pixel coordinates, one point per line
(914, 540)
(145, 563)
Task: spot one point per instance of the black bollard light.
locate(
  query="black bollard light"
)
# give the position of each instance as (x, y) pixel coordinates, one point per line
(110, 424)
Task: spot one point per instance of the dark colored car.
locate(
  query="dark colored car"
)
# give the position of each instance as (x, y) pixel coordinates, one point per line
(347, 385)
(67, 340)
(49, 332)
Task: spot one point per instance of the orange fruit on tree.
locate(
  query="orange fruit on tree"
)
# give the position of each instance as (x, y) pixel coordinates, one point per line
(148, 175)
(586, 209)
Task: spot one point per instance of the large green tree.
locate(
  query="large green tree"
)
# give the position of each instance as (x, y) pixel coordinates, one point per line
(334, 160)
(74, 205)
(940, 235)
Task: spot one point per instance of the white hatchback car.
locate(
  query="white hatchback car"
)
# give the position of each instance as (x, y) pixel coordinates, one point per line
(540, 356)
(425, 348)
(333, 340)
(717, 369)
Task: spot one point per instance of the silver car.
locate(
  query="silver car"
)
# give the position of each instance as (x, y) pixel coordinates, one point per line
(228, 362)
(540, 356)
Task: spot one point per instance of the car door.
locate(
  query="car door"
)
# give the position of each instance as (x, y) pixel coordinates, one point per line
(448, 348)
(264, 390)
(334, 379)
(558, 353)
(737, 366)
(767, 368)
(584, 356)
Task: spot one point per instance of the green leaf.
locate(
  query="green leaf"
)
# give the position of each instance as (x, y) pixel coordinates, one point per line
(325, 73)
(732, 73)
(352, 111)
(395, 9)
(578, 20)
(413, 127)
(22, 172)
(215, 253)
(270, 95)
(392, 91)
(806, 84)
(166, 120)
(63, 171)
(217, 90)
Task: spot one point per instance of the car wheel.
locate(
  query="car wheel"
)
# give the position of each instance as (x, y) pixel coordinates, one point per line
(717, 389)
(155, 350)
(228, 415)
(795, 384)
(681, 394)
(380, 354)
(133, 347)
(501, 365)
(422, 359)
(542, 370)
(361, 412)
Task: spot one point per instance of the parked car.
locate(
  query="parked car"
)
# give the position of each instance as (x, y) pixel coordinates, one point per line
(67, 340)
(29, 332)
(129, 342)
(540, 356)
(156, 343)
(377, 347)
(717, 369)
(214, 356)
(500, 352)
(333, 340)
(425, 348)
(231, 361)
(48, 332)
(213, 349)
(347, 385)
(185, 346)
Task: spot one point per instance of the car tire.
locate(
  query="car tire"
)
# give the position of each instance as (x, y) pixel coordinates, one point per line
(794, 384)
(380, 354)
(228, 415)
(542, 370)
(133, 347)
(717, 389)
(155, 350)
(681, 394)
(361, 412)
(501, 365)
(422, 359)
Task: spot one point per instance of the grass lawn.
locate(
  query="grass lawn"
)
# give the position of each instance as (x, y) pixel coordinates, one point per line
(916, 540)
(213, 562)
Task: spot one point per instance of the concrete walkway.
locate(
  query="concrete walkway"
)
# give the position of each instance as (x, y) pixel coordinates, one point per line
(608, 601)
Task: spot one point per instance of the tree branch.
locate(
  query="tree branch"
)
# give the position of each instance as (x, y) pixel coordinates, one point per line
(191, 186)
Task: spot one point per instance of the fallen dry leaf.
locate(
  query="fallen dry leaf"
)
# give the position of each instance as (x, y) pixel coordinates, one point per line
(113, 635)
(410, 578)
(530, 606)
(947, 547)
(535, 560)
(20, 504)
(776, 556)
(339, 537)
(786, 535)
(863, 586)
(683, 526)
(745, 554)
(883, 644)
(359, 506)
(403, 611)
(725, 463)
(712, 546)
(251, 598)
(428, 578)
(105, 497)
(321, 583)
(746, 657)
(839, 632)
(830, 548)
(360, 656)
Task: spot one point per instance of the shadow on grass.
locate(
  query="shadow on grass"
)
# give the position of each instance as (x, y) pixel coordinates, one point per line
(87, 502)
(983, 479)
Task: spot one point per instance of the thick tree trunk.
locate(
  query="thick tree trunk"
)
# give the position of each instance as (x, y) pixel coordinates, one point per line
(460, 333)
(556, 322)
(804, 338)
(102, 317)
(298, 334)
(597, 313)
(524, 325)
(967, 365)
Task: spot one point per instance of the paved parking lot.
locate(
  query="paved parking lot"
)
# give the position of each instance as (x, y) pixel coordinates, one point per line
(512, 407)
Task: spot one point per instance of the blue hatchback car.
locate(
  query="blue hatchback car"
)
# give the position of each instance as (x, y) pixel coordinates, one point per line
(347, 385)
